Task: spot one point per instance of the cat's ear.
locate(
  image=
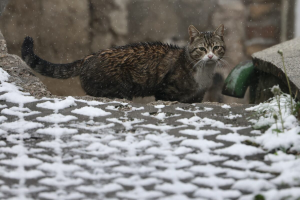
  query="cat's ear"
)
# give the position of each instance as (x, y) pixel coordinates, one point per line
(220, 30)
(193, 32)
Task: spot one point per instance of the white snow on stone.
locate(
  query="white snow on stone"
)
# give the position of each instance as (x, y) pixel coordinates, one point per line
(176, 187)
(23, 159)
(288, 135)
(3, 118)
(20, 126)
(160, 115)
(139, 193)
(159, 106)
(251, 185)
(58, 104)
(232, 116)
(173, 174)
(240, 150)
(203, 144)
(226, 106)
(19, 112)
(208, 169)
(3, 75)
(217, 193)
(233, 137)
(205, 157)
(135, 181)
(93, 126)
(91, 112)
(213, 181)
(244, 164)
(279, 156)
(127, 123)
(194, 109)
(56, 131)
(163, 127)
(199, 133)
(17, 97)
(56, 118)
(243, 174)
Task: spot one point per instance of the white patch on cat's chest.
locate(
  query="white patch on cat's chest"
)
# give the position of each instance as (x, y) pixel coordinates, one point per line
(204, 75)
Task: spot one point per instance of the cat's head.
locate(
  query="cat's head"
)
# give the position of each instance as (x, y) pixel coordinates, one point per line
(206, 46)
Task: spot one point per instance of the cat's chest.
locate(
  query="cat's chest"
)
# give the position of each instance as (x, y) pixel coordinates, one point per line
(203, 76)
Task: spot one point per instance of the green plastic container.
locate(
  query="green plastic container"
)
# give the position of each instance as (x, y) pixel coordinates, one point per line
(239, 79)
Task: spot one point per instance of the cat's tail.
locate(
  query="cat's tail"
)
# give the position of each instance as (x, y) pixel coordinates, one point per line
(46, 68)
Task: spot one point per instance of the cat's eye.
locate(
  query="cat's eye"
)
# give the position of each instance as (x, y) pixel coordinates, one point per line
(216, 47)
(202, 49)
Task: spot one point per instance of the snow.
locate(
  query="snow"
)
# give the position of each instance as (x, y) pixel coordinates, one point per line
(136, 180)
(217, 193)
(199, 133)
(203, 144)
(232, 116)
(56, 131)
(20, 126)
(213, 181)
(172, 174)
(205, 157)
(91, 112)
(195, 109)
(226, 106)
(58, 104)
(250, 185)
(56, 118)
(240, 150)
(176, 187)
(233, 137)
(160, 115)
(127, 123)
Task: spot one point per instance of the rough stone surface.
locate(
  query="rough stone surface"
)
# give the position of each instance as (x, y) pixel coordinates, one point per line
(270, 61)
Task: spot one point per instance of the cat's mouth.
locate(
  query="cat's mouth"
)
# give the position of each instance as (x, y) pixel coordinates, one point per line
(210, 61)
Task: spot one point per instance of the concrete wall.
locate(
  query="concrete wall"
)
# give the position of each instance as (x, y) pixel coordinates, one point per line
(68, 30)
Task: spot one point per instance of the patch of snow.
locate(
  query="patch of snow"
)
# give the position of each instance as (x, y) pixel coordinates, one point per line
(176, 187)
(56, 118)
(57, 131)
(203, 144)
(251, 185)
(58, 104)
(213, 181)
(240, 150)
(3, 75)
(205, 157)
(127, 123)
(199, 133)
(91, 112)
(20, 126)
(217, 193)
(226, 106)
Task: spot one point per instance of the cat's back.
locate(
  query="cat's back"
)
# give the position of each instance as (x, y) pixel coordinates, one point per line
(139, 67)
(137, 52)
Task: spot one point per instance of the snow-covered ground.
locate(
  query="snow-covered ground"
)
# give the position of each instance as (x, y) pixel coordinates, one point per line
(76, 149)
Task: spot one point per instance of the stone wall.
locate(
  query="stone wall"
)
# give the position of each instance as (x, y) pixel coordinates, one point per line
(263, 26)
(68, 30)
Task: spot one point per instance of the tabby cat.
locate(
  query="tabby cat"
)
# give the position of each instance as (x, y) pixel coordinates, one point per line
(143, 69)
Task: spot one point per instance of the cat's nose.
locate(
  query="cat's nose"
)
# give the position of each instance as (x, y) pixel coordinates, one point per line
(210, 56)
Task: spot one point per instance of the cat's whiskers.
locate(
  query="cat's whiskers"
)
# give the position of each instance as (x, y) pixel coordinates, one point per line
(201, 62)
(222, 62)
